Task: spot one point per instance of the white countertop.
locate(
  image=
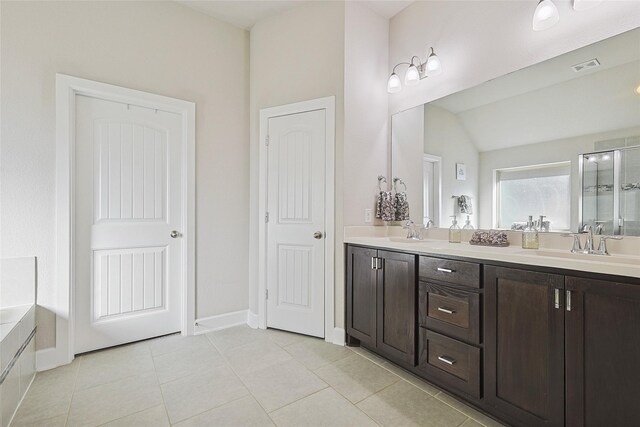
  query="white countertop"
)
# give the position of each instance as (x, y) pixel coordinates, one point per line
(620, 265)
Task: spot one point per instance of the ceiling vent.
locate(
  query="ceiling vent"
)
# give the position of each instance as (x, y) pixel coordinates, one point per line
(587, 65)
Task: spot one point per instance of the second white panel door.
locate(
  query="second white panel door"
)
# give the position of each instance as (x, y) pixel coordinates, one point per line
(296, 227)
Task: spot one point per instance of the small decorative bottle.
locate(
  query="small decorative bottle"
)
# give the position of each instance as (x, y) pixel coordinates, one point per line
(530, 236)
(455, 235)
(467, 224)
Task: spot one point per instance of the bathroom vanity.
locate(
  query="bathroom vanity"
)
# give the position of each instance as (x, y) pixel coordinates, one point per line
(531, 338)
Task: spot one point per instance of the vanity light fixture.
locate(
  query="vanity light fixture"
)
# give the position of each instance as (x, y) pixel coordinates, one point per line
(638, 90)
(545, 16)
(416, 71)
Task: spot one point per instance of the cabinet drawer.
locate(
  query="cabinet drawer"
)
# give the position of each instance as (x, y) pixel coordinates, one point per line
(452, 362)
(445, 270)
(453, 312)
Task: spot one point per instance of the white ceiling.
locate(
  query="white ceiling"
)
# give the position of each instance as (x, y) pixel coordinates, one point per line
(549, 101)
(245, 13)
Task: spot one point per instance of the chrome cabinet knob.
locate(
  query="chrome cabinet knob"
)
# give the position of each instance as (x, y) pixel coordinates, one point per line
(317, 235)
(174, 234)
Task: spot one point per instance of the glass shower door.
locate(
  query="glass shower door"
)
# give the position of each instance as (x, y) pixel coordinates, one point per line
(598, 192)
(630, 191)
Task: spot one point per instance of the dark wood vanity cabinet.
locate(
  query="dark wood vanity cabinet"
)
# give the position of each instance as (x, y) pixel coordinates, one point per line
(524, 345)
(381, 300)
(531, 346)
(602, 345)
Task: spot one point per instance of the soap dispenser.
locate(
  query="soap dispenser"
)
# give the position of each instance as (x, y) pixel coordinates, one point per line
(467, 224)
(530, 236)
(455, 235)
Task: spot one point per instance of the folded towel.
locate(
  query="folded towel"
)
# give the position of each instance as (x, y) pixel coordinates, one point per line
(385, 209)
(402, 206)
(464, 203)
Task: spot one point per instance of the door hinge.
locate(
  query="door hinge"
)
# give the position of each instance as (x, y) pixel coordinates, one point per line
(266, 140)
(266, 294)
(266, 217)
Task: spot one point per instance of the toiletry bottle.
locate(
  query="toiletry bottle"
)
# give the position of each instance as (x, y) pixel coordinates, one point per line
(455, 235)
(541, 225)
(467, 224)
(530, 236)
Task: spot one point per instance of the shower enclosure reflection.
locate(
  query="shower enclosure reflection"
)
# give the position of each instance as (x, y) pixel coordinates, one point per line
(610, 182)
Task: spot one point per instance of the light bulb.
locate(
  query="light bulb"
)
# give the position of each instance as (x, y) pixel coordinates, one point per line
(606, 157)
(412, 77)
(394, 85)
(434, 67)
(585, 4)
(545, 16)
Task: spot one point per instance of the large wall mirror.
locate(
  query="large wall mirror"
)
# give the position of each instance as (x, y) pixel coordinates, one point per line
(560, 139)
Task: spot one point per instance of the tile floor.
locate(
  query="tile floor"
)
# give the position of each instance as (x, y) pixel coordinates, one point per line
(238, 377)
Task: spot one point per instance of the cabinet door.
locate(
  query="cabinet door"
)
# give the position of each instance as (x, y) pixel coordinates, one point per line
(361, 295)
(397, 307)
(524, 351)
(603, 353)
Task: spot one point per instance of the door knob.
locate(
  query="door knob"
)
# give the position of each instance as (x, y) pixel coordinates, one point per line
(317, 235)
(174, 234)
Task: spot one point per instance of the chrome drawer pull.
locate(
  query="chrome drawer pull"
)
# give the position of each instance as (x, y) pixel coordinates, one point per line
(446, 310)
(445, 270)
(447, 360)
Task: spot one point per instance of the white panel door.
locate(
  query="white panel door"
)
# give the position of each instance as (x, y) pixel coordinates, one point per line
(127, 203)
(296, 206)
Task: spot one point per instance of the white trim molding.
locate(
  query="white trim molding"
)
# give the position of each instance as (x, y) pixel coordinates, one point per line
(221, 321)
(67, 87)
(252, 320)
(327, 104)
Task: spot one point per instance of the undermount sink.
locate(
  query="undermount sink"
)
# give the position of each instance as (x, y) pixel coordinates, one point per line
(614, 259)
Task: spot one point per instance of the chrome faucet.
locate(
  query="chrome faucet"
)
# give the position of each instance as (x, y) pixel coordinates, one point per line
(429, 224)
(413, 231)
(588, 244)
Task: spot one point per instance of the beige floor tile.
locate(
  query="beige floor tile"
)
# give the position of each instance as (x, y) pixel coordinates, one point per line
(108, 402)
(177, 342)
(178, 364)
(471, 423)
(316, 353)
(113, 364)
(195, 394)
(468, 410)
(282, 383)
(49, 396)
(152, 417)
(36, 411)
(356, 377)
(227, 339)
(403, 404)
(325, 408)
(408, 376)
(255, 356)
(59, 421)
(368, 355)
(245, 412)
(284, 338)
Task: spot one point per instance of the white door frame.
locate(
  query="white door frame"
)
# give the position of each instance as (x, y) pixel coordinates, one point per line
(437, 163)
(327, 104)
(67, 87)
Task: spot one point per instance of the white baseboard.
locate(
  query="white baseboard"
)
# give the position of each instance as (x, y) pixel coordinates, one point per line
(252, 320)
(220, 321)
(46, 359)
(338, 336)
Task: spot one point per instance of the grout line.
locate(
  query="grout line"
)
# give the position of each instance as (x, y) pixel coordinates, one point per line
(73, 391)
(155, 372)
